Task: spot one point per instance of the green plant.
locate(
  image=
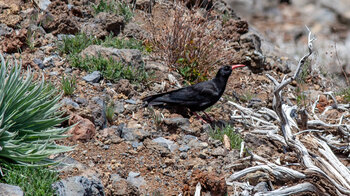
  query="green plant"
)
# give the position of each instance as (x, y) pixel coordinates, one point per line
(115, 42)
(112, 6)
(74, 45)
(246, 96)
(189, 45)
(346, 93)
(35, 181)
(110, 112)
(235, 138)
(28, 114)
(68, 85)
(30, 40)
(111, 70)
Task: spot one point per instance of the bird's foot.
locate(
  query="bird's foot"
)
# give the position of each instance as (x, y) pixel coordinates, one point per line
(200, 118)
(208, 117)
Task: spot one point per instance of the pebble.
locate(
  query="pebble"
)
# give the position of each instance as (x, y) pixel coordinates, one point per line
(93, 77)
(184, 148)
(183, 155)
(69, 101)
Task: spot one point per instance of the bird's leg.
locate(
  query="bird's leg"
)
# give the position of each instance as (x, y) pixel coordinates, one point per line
(199, 117)
(208, 117)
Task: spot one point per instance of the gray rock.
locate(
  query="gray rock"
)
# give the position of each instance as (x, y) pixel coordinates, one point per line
(68, 70)
(166, 143)
(261, 187)
(135, 144)
(7, 189)
(188, 138)
(78, 186)
(115, 178)
(43, 4)
(130, 101)
(131, 134)
(5, 30)
(93, 77)
(183, 155)
(98, 100)
(119, 107)
(177, 121)
(39, 62)
(184, 148)
(135, 179)
(81, 100)
(68, 164)
(123, 187)
(128, 56)
(69, 101)
(195, 143)
(53, 73)
(218, 152)
(48, 61)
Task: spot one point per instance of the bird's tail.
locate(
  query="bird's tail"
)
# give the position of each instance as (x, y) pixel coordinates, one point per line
(150, 100)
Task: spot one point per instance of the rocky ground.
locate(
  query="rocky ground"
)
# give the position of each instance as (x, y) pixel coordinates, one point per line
(146, 151)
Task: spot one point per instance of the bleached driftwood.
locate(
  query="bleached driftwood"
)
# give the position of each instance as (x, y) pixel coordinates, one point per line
(317, 157)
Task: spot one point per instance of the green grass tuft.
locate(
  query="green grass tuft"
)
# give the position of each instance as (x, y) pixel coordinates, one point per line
(68, 85)
(112, 70)
(235, 138)
(121, 8)
(35, 181)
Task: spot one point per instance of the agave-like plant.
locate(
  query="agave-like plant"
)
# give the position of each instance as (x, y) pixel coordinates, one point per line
(29, 118)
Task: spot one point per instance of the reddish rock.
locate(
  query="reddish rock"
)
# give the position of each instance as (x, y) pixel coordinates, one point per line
(210, 182)
(83, 130)
(15, 41)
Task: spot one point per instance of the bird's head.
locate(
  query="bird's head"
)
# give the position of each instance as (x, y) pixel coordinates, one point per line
(227, 70)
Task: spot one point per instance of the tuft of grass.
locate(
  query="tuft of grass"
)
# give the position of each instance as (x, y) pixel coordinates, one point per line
(121, 8)
(74, 45)
(235, 138)
(189, 45)
(110, 112)
(112, 41)
(345, 93)
(111, 70)
(35, 181)
(246, 96)
(68, 85)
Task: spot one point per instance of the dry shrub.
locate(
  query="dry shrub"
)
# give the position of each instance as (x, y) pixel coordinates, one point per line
(189, 43)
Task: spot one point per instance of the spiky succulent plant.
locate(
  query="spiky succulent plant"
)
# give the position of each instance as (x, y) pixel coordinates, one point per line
(29, 117)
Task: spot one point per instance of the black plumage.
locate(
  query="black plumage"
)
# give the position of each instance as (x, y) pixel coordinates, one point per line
(197, 97)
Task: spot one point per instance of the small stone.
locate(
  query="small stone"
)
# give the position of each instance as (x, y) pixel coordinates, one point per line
(130, 101)
(80, 100)
(218, 152)
(135, 144)
(183, 155)
(68, 70)
(106, 147)
(119, 107)
(48, 61)
(69, 101)
(202, 155)
(184, 148)
(261, 187)
(39, 62)
(166, 143)
(98, 100)
(135, 179)
(53, 73)
(79, 184)
(93, 77)
(7, 189)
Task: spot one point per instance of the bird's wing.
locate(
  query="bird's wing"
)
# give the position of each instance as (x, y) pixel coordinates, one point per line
(196, 95)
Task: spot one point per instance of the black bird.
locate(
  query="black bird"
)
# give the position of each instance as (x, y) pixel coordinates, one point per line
(197, 97)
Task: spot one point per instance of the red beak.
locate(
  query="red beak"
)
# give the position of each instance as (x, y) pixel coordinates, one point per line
(236, 66)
